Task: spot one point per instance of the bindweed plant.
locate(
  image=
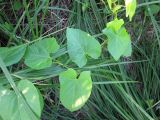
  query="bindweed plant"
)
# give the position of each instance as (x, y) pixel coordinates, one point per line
(75, 84)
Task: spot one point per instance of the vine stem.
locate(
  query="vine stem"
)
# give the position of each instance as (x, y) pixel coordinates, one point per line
(61, 64)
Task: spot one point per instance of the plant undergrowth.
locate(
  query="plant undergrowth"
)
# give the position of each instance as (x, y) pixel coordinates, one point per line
(128, 89)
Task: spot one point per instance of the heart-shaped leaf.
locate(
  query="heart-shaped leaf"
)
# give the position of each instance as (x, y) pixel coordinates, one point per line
(38, 54)
(80, 45)
(119, 43)
(115, 25)
(12, 55)
(130, 8)
(37, 57)
(50, 44)
(32, 96)
(15, 107)
(74, 92)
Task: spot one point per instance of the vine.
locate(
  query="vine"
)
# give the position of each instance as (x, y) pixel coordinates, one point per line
(75, 88)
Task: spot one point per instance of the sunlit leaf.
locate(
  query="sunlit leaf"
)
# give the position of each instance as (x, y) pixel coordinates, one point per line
(14, 108)
(116, 8)
(119, 43)
(74, 91)
(109, 3)
(130, 8)
(115, 25)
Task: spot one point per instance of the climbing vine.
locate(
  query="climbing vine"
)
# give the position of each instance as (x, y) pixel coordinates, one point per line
(75, 86)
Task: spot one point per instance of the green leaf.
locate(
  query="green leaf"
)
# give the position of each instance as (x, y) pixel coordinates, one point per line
(50, 44)
(38, 54)
(155, 9)
(128, 51)
(85, 5)
(13, 107)
(17, 5)
(12, 55)
(130, 8)
(37, 57)
(32, 96)
(8, 101)
(115, 25)
(119, 43)
(80, 45)
(8, 26)
(74, 92)
(116, 8)
(109, 3)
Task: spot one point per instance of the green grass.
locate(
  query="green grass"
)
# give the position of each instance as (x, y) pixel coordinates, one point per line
(113, 97)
